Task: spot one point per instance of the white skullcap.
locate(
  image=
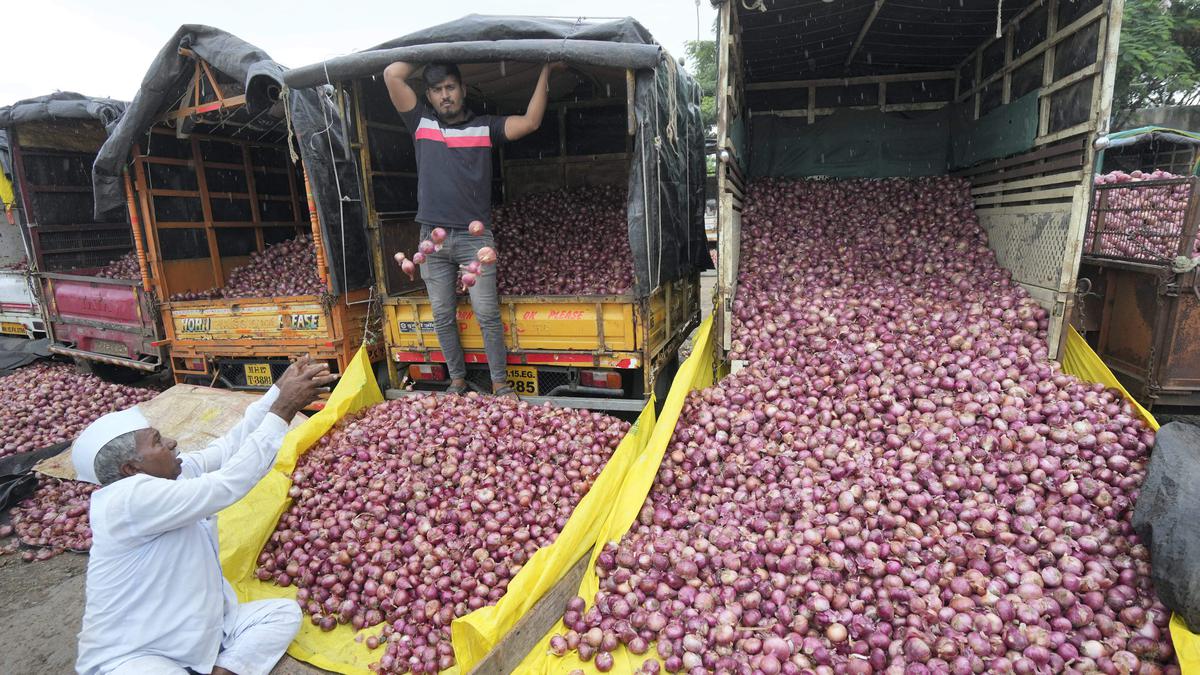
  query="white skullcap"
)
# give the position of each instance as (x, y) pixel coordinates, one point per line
(98, 434)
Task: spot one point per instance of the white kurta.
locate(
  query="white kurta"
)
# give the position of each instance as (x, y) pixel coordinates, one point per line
(154, 584)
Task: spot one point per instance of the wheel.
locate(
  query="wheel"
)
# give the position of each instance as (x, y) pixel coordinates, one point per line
(662, 383)
(382, 377)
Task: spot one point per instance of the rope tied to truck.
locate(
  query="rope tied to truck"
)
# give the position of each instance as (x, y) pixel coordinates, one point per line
(286, 95)
(672, 101)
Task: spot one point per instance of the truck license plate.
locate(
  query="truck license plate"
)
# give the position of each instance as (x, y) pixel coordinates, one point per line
(110, 347)
(258, 375)
(9, 328)
(523, 380)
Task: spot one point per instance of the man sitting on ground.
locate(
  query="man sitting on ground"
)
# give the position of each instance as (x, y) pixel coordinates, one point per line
(156, 600)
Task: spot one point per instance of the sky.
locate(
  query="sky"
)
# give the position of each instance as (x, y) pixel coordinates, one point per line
(104, 49)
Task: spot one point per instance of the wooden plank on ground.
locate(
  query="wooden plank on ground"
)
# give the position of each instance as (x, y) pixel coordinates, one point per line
(531, 628)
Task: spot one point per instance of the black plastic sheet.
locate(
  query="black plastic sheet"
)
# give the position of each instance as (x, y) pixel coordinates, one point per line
(314, 122)
(1165, 517)
(17, 479)
(477, 38)
(63, 105)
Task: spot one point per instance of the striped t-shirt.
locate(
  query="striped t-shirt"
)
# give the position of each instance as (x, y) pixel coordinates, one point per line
(454, 166)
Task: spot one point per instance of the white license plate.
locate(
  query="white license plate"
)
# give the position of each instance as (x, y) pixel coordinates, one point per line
(110, 347)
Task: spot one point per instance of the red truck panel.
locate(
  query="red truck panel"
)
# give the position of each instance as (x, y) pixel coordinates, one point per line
(97, 302)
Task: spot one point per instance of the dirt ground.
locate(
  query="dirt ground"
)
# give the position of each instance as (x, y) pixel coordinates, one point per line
(41, 607)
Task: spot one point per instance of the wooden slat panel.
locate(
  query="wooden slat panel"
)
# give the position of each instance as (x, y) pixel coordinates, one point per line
(1040, 153)
(1057, 193)
(1053, 166)
(1068, 177)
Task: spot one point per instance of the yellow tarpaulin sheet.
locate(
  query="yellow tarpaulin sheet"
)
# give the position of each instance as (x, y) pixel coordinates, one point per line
(6, 193)
(246, 526)
(1078, 360)
(695, 373)
(475, 634)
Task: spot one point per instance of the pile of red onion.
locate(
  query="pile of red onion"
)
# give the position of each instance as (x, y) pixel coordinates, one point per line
(125, 267)
(54, 519)
(420, 510)
(898, 481)
(282, 270)
(568, 242)
(185, 296)
(43, 404)
(1144, 219)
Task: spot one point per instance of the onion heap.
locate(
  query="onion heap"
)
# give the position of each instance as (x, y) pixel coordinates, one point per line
(282, 270)
(1145, 220)
(185, 296)
(567, 242)
(43, 404)
(54, 519)
(420, 510)
(125, 267)
(897, 481)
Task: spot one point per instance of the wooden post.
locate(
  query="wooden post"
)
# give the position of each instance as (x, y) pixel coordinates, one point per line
(210, 232)
(135, 223)
(158, 278)
(630, 98)
(252, 190)
(318, 240)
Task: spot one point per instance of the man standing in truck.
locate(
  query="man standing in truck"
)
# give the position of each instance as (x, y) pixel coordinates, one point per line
(454, 188)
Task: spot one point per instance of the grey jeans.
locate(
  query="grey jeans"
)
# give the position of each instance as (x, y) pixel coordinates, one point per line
(440, 272)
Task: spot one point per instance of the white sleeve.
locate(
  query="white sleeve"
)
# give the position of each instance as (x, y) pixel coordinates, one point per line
(156, 505)
(216, 453)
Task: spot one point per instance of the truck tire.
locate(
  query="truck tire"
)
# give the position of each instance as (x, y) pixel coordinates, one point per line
(662, 384)
(381, 376)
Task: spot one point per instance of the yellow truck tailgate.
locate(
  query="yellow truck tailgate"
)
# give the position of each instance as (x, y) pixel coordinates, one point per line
(533, 324)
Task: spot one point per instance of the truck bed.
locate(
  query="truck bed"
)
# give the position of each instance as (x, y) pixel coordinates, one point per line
(612, 331)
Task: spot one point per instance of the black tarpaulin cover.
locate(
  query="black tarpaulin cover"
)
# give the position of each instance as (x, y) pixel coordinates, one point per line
(314, 122)
(1165, 517)
(478, 38)
(666, 185)
(63, 105)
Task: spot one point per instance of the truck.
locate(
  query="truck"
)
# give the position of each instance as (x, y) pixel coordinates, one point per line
(106, 325)
(205, 163)
(1013, 103)
(1139, 292)
(605, 352)
(20, 311)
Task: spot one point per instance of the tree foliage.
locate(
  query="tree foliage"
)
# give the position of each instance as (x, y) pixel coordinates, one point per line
(702, 60)
(1159, 61)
